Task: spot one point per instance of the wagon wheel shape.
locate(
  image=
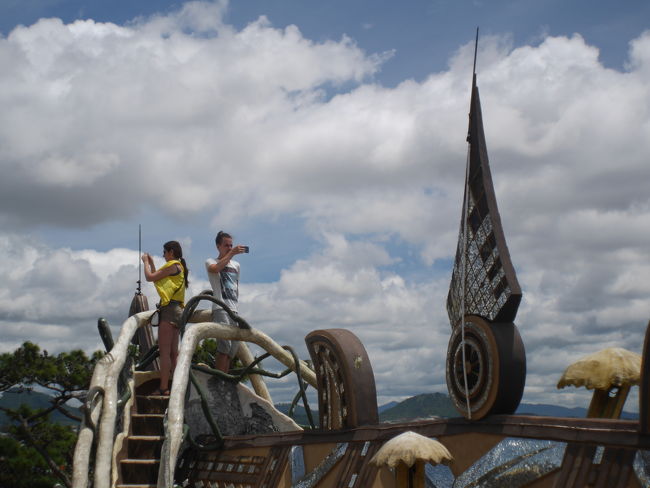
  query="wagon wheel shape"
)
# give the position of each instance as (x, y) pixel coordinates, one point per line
(492, 359)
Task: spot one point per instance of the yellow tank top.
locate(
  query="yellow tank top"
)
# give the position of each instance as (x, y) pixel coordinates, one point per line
(171, 287)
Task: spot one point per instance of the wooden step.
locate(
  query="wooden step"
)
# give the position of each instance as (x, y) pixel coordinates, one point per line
(144, 446)
(137, 486)
(139, 471)
(151, 403)
(147, 424)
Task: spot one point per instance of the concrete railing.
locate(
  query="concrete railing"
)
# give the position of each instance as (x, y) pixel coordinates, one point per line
(104, 382)
(175, 412)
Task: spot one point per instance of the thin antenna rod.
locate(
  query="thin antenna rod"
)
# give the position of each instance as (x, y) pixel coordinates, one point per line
(139, 260)
(475, 51)
(464, 234)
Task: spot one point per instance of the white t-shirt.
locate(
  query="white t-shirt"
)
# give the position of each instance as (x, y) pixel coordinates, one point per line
(225, 284)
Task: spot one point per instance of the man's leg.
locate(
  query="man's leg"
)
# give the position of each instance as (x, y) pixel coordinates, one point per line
(222, 362)
(222, 359)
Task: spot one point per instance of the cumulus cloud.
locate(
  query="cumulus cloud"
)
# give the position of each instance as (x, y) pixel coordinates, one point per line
(55, 296)
(347, 285)
(98, 119)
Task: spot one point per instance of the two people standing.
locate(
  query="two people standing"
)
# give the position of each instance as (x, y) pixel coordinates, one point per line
(171, 281)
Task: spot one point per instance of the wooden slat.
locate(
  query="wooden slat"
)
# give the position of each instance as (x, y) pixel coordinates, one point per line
(206, 468)
(568, 466)
(585, 459)
(615, 468)
(352, 464)
(368, 472)
(576, 466)
(607, 432)
(274, 467)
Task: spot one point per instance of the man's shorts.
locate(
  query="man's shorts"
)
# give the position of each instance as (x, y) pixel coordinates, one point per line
(172, 313)
(225, 346)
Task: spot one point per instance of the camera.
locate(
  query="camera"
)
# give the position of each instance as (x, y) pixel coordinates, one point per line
(246, 248)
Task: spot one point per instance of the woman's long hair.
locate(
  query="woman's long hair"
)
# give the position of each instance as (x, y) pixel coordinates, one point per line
(176, 248)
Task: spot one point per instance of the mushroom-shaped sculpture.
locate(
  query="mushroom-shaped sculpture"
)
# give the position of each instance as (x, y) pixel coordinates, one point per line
(610, 372)
(407, 453)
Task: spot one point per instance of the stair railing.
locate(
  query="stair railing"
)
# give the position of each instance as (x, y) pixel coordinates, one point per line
(175, 411)
(102, 406)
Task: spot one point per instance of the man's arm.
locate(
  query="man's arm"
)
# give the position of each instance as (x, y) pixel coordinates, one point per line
(222, 262)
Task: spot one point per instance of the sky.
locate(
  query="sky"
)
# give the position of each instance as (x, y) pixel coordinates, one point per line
(330, 138)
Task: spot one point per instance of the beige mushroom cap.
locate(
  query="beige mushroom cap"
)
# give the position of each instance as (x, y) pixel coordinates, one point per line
(604, 369)
(410, 447)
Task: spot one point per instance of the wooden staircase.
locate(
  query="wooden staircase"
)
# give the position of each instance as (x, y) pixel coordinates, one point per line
(141, 451)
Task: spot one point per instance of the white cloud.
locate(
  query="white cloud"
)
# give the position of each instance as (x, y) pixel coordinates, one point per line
(184, 113)
(344, 287)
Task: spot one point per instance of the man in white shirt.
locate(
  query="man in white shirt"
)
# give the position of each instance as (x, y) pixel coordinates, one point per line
(223, 273)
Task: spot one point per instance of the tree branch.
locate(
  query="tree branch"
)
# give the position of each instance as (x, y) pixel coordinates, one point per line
(44, 454)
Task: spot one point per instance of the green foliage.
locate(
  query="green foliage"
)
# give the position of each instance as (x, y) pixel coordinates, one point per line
(205, 352)
(23, 465)
(35, 451)
(28, 365)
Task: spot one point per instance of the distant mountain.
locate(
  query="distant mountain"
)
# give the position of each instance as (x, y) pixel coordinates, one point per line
(439, 405)
(422, 406)
(34, 399)
(386, 406)
(419, 407)
(300, 415)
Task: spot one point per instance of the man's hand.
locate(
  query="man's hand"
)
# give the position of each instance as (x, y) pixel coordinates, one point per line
(238, 249)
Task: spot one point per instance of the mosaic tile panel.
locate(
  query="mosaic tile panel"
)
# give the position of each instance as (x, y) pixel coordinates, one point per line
(490, 287)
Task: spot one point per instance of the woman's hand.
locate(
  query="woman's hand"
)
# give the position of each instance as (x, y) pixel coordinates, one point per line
(145, 257)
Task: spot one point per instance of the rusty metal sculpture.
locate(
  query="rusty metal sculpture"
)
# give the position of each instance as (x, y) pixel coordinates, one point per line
(486, 361)
(347, 396)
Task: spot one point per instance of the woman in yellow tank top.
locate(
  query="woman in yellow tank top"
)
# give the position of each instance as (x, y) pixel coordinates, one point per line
(170, 282)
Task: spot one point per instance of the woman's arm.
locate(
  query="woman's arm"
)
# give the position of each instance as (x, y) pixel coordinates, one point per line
(150, 272)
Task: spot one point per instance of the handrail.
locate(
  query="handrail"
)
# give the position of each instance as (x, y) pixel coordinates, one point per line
(104, 382)
(116, 360)
(190, 314)
(81, 458)
(175, 410)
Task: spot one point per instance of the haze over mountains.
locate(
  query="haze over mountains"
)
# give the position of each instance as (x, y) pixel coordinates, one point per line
(422, 406)
(429, 405)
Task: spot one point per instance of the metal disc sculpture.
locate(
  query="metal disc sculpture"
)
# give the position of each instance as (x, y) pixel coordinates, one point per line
(347, 396)
(486, 360)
